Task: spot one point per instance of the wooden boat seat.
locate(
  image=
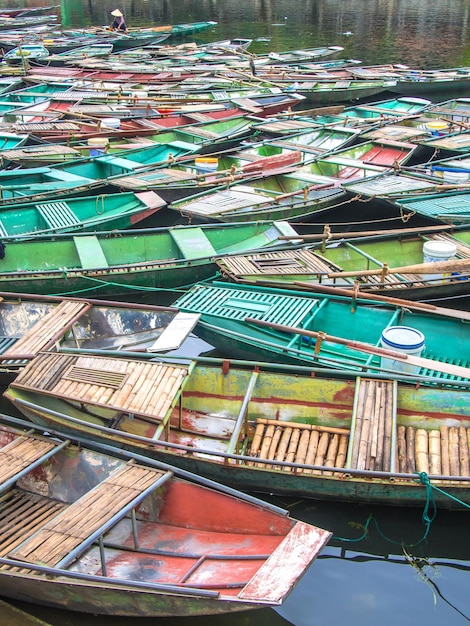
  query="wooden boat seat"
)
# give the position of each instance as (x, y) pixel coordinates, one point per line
(192, 243)
(48, 329)
(20, 513)
(60, 540)
(58, 214)
(23, 454)
(90, 252)
(373, 430)
(298, 443)
(247, 105)
(199, 117)
(148, 389)
(176, 332)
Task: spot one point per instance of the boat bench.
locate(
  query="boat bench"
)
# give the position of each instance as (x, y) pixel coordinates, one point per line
(90, 252)
(58, 214)
(22, 455)
(192, 243)
(63, 538)
(373, 429)
(47, 330)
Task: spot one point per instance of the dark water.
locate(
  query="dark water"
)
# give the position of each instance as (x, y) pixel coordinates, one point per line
(390, 575)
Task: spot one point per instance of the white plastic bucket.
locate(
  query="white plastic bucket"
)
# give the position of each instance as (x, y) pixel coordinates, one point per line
(112, 122)
(456, 178)
(435, 251)
(402, 339)
(97, 145)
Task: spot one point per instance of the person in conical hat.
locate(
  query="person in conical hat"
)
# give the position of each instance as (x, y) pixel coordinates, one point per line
(118, 22)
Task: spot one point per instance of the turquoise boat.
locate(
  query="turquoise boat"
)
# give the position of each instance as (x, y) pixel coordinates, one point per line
(369, 262)
(83, 214)
(25, 53)
(119, 262)
(344, 332)
(263, 428)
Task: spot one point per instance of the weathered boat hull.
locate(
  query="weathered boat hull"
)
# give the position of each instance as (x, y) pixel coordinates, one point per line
(196, 442)
(151, 523)
(117, 262)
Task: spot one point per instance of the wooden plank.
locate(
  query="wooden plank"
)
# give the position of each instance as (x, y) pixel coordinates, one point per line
(286, 564)
(20, 454)
(90, 252)
(175, 333)
(192, 243)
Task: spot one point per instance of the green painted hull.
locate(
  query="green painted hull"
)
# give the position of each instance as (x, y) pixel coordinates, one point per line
(310, 264)
(82, 214)
(201, 438)
(115, 263)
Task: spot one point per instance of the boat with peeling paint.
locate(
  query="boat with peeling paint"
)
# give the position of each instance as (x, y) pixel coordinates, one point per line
(148, 540)
(261, 428)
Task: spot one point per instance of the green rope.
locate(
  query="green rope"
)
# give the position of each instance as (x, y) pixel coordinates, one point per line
(101, 284)
(428, 515)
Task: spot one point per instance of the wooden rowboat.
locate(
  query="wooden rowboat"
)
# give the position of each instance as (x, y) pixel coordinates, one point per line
(117, 262)
(56, 213)
(32, 323)
(259, 427)
(339, 331)
(362, 261)
(146, 541)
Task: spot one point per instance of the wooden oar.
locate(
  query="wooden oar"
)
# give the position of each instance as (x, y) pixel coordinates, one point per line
(438, 366)
(409, 304)
(371, 233)
(439, 267)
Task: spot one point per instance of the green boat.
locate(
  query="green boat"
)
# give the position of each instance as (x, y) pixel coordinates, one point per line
(261, 428)
(118, 262)
(84, 214)
(83, 175)
(369, 262)
(336, 331)
(312, 188)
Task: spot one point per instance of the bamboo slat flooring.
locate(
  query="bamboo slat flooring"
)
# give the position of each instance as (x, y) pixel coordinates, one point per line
(21, 513)
(372, 436)
(139, 387)
(21, 453)
(74, 525)
(294, 442)
(283, 262)
(443, 451)
(47, 330)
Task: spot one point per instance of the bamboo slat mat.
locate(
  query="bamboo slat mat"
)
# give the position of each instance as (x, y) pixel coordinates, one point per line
(70, 528)
(49, 328)
(140, 387)
(21, 513)
(278, 263)
(20, 453)
(295, 442)
(443, 451)
(372, 437)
